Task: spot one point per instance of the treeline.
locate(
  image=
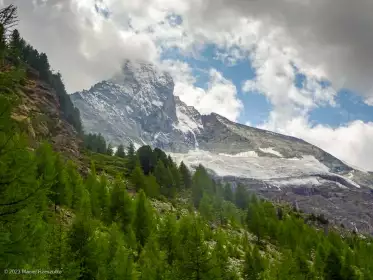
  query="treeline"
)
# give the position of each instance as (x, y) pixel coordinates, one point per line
(20, 54)
(154, 220)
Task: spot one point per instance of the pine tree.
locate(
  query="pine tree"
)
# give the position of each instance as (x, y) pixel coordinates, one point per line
(93, 186)
(206, 207)
(120, 151)
(195, 261)
(168, 238)
(137, 178)
(61, 193)
(120, 262)
(228, 193)
(151, 262)
(147, 159)
(254, 265)
(241, 196)
(104, 199)
(164, 178)
(221, 270)
(186, 177)
(22, 195)
(121, 207)
(110, 150)
(143, 220)
(77, 185)
(151, 186)
(60, 255)
(131, 159)
(201, 183)
(79, 239)
(333, 266)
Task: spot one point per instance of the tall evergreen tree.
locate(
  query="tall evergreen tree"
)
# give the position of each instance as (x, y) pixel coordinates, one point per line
(131, 159)
(137, 178)
(121, 206)
(110, 150)
(120, 151)
(195, 261)
(186, 177)
(254, 265)
(143, 220)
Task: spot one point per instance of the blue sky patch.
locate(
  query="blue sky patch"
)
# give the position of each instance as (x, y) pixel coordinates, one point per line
(257, 108)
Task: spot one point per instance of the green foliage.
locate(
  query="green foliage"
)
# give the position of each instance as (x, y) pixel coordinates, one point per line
(138, 178)
(121, 206)
(143, 220)
(201, 183)
(147, 159)
(254, 265)
(95, 143)
(120, 151)
(110, 150)
(131, 159)
(50, 217)
(185, 176)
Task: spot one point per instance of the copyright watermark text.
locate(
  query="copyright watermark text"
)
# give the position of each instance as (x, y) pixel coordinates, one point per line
(32, 271)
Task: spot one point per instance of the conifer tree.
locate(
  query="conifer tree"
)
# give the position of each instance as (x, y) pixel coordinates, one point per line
(104, 199)
(333, 266)
(137, 178)
(120, 261)
(151, 261)
(121, 207)
(61, 193)
(151, 186)
(254, 265)
(131, 159)
(228, 193)
(143, 220)
(110, 150)
(206, 207)
(195, 261)
(147, 159)
(186, 177)
(201, 183)
(120, 151)
(168, 238)
(220, 256)
(241, 196)
(79, 239)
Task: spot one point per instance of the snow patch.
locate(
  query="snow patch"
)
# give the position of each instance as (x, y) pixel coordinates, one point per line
(249, 166)
(243, 154)
(271, 151)
(186, 123)
(129, 109)
(157, 103)
(312, 180)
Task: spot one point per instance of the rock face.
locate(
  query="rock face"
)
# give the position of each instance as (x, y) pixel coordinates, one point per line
(138, 105)
(40, 112)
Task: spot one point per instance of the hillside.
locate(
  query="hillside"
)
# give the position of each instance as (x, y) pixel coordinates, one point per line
(136, 213)
(138, 105)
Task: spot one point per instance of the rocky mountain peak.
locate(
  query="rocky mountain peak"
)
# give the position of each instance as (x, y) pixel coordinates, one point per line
(138, 105)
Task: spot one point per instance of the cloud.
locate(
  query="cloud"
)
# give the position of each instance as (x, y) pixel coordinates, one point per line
(220, 96)
(81, 43)
(351, 142)
(319, 39)
(332, 37)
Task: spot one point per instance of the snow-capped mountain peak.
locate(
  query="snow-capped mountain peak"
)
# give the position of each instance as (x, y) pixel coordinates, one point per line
(138, 105)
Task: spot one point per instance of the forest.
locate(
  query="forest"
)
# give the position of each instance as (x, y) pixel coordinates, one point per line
(149, 219)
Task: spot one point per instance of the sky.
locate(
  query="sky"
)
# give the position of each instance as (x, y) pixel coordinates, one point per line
(298, 67)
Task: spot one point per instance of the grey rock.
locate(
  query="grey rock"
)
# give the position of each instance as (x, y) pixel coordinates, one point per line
(138, 105)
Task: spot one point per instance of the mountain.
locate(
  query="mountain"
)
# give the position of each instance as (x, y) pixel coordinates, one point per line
(138, 105)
